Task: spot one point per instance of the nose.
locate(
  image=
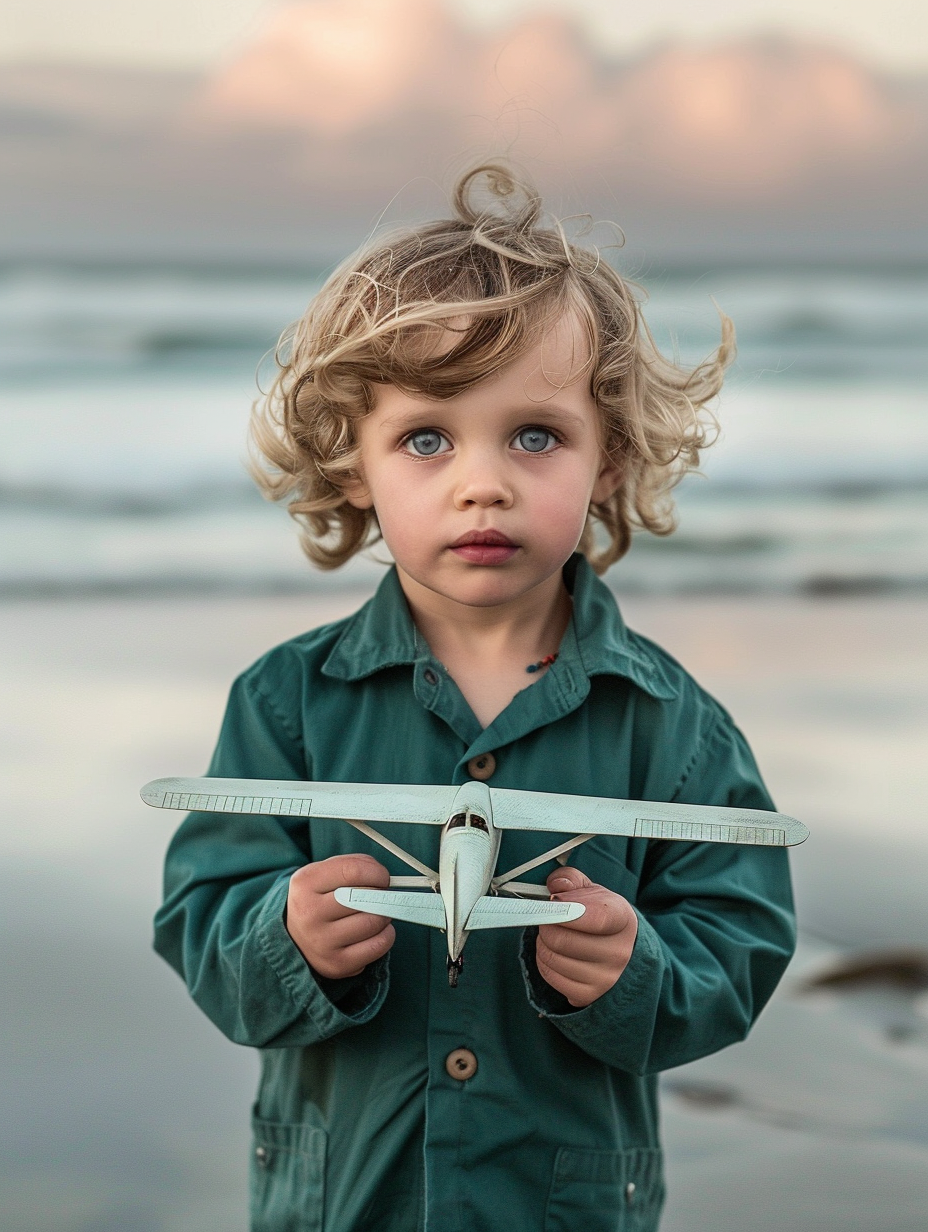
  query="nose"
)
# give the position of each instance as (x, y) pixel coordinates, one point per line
(482, 481)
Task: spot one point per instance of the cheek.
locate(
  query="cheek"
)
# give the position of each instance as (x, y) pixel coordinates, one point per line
(404, 511)
(564, 505)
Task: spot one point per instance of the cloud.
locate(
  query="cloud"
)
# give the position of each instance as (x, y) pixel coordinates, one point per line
(336, 105)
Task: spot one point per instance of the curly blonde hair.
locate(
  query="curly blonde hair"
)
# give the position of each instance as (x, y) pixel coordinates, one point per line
(498, 278)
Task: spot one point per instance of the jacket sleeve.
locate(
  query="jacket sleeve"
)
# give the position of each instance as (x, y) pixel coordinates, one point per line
(226, 879)
(716, 929)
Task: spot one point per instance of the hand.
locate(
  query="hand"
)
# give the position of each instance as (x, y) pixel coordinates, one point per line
(583, 959)
(337, 941)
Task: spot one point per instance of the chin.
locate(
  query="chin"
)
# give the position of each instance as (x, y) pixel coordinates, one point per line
(485, 598)
(489, 591)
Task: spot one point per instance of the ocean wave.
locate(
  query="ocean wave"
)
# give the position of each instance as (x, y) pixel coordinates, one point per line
(167, 586)
(250, 548)
(170, 499)
(126, 400)
(816, 585)
(812, 324)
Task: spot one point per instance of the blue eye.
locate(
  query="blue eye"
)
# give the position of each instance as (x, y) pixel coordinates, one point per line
(535, 440)
(425, 443)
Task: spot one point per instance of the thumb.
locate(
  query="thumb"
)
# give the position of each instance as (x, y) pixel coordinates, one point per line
(564, 880)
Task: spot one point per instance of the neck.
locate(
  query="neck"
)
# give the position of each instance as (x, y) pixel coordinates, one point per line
(488, 649)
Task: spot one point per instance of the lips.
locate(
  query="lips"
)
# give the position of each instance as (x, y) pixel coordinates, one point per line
(484, 547)
(488, 538)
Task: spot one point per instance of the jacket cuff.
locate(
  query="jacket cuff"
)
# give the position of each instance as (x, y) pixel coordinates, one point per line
(325, 1006)
(354, 993)
(617, 1027)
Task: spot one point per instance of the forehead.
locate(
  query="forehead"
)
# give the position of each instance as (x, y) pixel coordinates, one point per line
(556, 368)
(561, 356)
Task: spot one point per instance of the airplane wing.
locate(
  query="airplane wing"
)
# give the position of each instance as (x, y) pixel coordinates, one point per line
(295, 798)
(397, 904)
(515, 913)
(539, 810)
(512, 810)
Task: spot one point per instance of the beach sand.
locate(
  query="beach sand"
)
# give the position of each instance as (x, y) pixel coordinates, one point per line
(125, 1109)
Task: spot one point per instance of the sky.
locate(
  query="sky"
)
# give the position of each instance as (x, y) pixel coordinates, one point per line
(193, 34)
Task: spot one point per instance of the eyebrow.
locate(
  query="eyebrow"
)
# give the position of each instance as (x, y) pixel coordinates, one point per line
(530, 411)
(561, 412)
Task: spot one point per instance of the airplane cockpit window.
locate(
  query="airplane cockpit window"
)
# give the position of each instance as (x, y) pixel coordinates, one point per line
(478, 823)
(459, 819)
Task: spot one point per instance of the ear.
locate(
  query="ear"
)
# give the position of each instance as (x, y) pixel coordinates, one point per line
(358, 494)
(607, 483)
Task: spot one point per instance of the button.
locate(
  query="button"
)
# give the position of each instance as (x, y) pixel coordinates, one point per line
(262, 1157)
(461, 1064)
(481, 767)
(630, 1193)
(430, 676)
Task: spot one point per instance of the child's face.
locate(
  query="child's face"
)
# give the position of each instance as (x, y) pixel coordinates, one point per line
(482, 498)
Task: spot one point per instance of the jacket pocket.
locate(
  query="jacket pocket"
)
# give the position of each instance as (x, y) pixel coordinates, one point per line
(605, 1191)
(287, 1177)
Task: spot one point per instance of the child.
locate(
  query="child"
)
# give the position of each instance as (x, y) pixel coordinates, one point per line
(483, 395)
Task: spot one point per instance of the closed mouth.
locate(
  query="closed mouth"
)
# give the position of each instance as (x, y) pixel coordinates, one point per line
(484, 538)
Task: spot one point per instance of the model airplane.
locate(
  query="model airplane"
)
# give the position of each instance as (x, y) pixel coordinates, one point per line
(469, 894)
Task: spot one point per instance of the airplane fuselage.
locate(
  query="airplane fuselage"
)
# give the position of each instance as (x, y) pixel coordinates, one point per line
(467, 860)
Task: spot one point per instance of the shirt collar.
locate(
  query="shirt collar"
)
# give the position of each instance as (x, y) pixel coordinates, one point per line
(605, 644)
(381, 635)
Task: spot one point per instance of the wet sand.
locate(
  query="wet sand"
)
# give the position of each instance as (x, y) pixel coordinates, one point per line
(124, 1108)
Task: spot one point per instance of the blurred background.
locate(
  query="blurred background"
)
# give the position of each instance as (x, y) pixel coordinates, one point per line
(176, 182)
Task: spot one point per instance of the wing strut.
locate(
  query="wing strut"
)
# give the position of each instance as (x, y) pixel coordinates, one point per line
(400, 854)
(552, 854)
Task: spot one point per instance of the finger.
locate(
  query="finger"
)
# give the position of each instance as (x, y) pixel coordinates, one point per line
(561, 939)
(354, 958)
(576, 993)
(323, 876)
(355, 927)
(325, 909)
(564, 880)
(316, 910)
(579, 970)
(606, 913)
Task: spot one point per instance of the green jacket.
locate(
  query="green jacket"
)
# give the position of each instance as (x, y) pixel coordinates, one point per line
(358, 1125)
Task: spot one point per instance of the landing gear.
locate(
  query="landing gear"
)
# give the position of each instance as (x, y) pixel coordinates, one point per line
(455, 967)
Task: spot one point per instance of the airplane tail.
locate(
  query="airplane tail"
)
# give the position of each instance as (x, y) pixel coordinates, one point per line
(517, 913)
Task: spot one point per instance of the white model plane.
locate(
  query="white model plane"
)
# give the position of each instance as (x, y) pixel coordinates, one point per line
(467, 887)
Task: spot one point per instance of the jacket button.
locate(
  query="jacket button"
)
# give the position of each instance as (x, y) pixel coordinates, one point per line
(461, 1064)
(262, 1156)
(630, 1192)
(482, 766)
